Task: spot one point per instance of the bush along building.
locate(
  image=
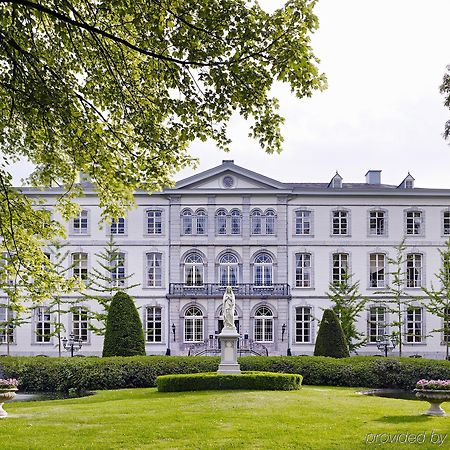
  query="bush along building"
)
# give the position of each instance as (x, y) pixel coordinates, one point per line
(279, 245)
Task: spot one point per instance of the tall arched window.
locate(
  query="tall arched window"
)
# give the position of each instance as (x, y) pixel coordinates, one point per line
(201, 221)
(193, 325)
(256, 222)
(270, 221)
(263, 270)
(186, 221)
(228, 270)
(193, 270)
(221, 221)
(236, 221)
(263, 331)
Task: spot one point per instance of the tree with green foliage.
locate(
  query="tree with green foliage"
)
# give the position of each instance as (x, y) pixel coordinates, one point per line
(445, 89)
(103, 282)
(348, 303)
(397, 301)
(59, 305)
(124, 335)
(331, 340)
(118, 90)
(438, 298)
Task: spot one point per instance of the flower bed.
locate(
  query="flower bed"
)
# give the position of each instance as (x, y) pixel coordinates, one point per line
(9, 383)
(434, 385)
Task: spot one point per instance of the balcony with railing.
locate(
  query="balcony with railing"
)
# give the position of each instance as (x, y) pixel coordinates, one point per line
(240, 290)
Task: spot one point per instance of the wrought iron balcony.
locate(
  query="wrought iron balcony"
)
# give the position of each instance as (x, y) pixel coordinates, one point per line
(240, 290)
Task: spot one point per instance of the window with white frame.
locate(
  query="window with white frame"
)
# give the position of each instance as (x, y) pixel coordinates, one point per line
(256, 221)
(80, 265)
(303, 270)
(414, 270)
(154, 221)
(186, 221)
(303, 222)
(263, 270)
(377, 223)
(193, 324)
(414, 223)
(43, 324)
(236, 221)
(270, 221)
(228, 269)
(377, 323)
(153, 324)
(221, 221)
(193, 270)
(303, 325)
(340, 268)
(414, 325)
(263, 326)
(446, 223)
(340, 223)
(80, 223)
(80, 323)
(154, 269)
(377, 270)
(7, 269)
(446, 326)
(201, 221)
(6, 325)
(118, 270)
(118, 226)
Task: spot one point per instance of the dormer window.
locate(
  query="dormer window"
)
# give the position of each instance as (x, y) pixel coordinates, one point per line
(408, 182)
(336, 182)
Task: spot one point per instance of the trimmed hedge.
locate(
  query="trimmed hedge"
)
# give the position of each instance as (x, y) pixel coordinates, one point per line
(263, 381)
(331, 338)
(90, 373)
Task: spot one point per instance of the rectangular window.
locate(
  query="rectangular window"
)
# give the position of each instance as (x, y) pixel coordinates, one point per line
(303, 323)
(235, 222)
(153, 324)
(414, 270)
(256, 223)
(201, 222)
(446, 325)
(154, 222)
(221, 222)
(193, 329)
(118, 226)
(154, 270)
(414, 324)
(263, 330)
(414, 221)
(6, 327)
(340, 223)
(377, 323)
(270, 222)
(446, 224)
(118, 272)
(340, 268)
(377, 223)
(377, 270)
(303, 270)
(80, 324)
(80, 223)
(79, 265)
(303, 222)
(42, 324)
(187, 222)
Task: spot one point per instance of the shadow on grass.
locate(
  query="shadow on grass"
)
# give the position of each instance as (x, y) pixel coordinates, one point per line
(404, 419)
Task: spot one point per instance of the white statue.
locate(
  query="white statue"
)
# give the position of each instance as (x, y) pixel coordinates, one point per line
(228, 307)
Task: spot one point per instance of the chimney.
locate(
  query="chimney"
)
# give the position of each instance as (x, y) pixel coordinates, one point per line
(225, 161)
(373, 177)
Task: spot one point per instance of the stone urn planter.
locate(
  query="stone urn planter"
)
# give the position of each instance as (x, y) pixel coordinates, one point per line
(8, 390)
(434, 392)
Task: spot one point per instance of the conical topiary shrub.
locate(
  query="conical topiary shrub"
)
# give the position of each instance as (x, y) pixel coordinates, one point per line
(124, 335)
(330, 339)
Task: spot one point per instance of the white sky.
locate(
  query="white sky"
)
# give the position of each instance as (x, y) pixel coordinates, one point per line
(384, 60)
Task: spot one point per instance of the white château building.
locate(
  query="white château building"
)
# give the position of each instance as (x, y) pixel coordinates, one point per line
(278, 244)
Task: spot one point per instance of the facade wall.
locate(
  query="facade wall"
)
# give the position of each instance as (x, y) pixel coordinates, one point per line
(250, 194)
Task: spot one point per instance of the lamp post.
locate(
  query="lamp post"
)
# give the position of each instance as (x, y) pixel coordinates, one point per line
(386, 343)
(283, 330)
(72, 345)
(173, 331)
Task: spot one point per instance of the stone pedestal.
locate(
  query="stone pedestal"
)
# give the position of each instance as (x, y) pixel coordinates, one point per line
(228, 358)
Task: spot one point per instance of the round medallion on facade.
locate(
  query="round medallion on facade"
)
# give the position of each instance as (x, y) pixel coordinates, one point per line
(228, 181)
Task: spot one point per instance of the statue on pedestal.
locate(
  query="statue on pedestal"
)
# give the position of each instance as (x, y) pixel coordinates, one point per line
(228, 307)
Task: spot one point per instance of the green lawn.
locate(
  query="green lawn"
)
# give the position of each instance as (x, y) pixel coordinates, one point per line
(312, 418)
